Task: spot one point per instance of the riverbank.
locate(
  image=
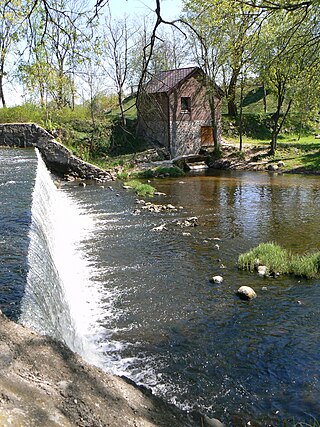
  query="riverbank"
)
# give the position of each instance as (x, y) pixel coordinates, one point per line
(290, 158)
(44, 384)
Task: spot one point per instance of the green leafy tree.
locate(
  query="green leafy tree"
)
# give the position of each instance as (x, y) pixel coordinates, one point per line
(286, 65)
(225, 30)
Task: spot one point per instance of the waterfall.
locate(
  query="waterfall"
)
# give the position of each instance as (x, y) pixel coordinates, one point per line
(61, 299)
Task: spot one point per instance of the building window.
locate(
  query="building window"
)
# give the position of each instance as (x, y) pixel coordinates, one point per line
(185, 104)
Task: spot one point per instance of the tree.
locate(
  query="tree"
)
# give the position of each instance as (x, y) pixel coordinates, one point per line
(115, 47)
(11, 14)
(227, 29)
(55, 46)
(284, 67)
(170, 51)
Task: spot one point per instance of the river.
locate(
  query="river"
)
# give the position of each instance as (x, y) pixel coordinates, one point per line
(153, 313)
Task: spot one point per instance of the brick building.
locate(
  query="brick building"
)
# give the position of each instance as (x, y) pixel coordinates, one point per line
(174, 111)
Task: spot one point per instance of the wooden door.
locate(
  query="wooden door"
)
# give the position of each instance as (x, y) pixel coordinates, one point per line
(206, 136)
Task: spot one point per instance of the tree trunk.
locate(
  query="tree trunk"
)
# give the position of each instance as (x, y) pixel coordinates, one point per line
(231, 94)
(2, 99)
(215, 127)
(264, 99)
(241, 117)
(273, 146)
(122, 118)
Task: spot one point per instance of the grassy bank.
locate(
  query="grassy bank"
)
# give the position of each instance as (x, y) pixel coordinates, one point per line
(298, 147)
(99, 138)
(280, 261)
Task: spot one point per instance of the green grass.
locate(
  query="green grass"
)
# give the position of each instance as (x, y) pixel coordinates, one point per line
(269, 254)
(140, 188)
(279, 260)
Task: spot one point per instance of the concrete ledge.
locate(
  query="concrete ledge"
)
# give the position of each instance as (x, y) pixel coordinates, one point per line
(58, 158)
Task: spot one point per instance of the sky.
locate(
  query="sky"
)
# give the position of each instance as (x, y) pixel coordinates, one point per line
(170, 9)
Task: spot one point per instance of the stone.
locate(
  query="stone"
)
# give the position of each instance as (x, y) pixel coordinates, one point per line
(217, 279)
(262, 270)
(82, 184)
(246, 293)
(189, 222)
(281, 164)
(217, 246)
(160, 227)
(272, 167)
(170, 207)
(211, 422)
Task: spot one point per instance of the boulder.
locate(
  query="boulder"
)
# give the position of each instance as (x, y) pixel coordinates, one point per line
(281, 164)
(262, 270)
(211, 422)
(246, 293)
(272, 167)
(217, 279)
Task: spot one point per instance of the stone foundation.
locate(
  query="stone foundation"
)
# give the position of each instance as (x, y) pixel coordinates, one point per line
(57, 157)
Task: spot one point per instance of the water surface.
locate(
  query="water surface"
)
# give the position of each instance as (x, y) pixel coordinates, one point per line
(154, 314)
(194, 342)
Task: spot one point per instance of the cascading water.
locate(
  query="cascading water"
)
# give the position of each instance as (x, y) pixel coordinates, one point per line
(59, 295)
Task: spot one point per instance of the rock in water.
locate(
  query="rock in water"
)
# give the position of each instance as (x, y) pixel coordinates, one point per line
(247, 293)
(262, 270)
(217, 279)
(211, 422)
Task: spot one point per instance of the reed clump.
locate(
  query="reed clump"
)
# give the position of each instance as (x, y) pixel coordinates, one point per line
(280, 261)
(140, 188)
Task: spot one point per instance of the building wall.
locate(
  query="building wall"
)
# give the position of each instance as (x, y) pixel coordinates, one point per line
(162, 121)
(153, 119)
(200, 108)
(185, 137)
(185, 127)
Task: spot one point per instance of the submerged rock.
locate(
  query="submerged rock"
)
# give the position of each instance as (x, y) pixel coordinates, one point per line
(189, 222)
(160, 227)
(246, 293)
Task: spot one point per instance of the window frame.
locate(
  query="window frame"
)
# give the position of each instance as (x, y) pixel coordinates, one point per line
(185, 103)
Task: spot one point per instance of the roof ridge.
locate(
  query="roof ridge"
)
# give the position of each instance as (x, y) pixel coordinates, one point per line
(165, 80)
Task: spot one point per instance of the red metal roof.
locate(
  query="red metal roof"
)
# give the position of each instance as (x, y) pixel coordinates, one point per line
(168, 80)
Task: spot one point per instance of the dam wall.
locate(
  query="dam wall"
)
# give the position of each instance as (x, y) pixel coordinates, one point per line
(57, 157)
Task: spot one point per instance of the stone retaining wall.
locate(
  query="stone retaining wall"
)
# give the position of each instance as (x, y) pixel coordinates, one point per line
(57, 157)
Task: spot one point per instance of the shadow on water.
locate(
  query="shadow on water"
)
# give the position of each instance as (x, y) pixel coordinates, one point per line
(17, 176)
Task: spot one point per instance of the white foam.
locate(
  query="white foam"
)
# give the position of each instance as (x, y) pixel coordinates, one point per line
(60, 226)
